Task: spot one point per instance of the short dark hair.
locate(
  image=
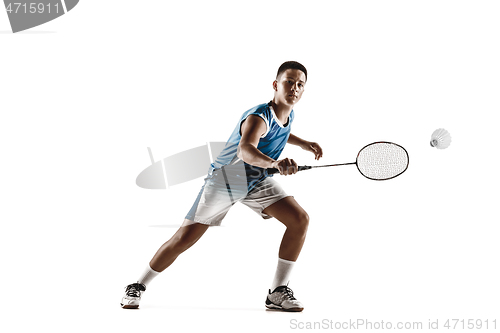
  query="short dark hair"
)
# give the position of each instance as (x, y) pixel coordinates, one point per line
(291, 65)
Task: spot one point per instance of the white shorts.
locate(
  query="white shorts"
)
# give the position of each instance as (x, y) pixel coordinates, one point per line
(215, 199)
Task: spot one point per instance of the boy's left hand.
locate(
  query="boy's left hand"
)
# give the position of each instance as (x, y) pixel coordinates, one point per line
(314, 148)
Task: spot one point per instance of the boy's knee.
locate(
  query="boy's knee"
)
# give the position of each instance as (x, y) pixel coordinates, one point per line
(187, 236)
(301, 222)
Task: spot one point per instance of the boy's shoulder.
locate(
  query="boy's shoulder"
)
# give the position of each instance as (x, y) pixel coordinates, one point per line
(261, 108)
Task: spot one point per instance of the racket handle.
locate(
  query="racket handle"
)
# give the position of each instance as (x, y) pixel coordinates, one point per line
(272, 171)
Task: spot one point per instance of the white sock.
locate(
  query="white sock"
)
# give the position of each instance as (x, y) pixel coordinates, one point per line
(148, 275)
(282, 273)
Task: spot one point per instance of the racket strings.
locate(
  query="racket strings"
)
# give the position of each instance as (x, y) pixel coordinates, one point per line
(382, 160)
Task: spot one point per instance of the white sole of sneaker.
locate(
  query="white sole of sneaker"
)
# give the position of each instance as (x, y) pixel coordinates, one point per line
(279, 308)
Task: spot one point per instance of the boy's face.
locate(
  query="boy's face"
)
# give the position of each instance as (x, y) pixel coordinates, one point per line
(288, 88)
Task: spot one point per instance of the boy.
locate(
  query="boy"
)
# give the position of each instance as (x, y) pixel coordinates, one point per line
(254, 146)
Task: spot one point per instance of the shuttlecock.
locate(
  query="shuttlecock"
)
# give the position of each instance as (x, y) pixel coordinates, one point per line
(440, 139)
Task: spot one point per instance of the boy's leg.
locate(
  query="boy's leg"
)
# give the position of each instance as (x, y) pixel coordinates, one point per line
(296, 220)
(183, 239)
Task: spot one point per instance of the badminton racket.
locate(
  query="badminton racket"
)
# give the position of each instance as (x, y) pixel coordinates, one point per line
(376, 161)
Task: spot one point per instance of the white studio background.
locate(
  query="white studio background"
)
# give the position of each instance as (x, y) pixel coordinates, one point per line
(83, 96)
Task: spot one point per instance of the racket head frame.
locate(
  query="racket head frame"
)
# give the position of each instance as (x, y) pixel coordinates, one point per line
(387, 142)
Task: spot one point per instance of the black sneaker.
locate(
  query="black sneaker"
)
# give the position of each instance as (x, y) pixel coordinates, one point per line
(282, 299)
(132, 297)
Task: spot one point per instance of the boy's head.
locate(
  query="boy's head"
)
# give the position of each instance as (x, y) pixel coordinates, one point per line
(290, 65)
(290, 82)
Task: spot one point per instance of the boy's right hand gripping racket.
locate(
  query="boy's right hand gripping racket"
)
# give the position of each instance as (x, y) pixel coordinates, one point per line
(376, 161)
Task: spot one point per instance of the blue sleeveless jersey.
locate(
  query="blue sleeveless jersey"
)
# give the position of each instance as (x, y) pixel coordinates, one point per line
(271, 144)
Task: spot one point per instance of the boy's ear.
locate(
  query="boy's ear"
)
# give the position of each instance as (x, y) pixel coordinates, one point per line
(275, 85)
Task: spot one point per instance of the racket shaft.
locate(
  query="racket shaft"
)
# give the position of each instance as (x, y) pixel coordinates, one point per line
(273, 171)
(330, 165)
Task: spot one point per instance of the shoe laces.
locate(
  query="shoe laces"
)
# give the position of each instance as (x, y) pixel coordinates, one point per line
(287, 293)
(134, 289)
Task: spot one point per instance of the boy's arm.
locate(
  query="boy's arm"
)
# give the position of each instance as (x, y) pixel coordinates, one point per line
(251, 131)
(306, 145)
